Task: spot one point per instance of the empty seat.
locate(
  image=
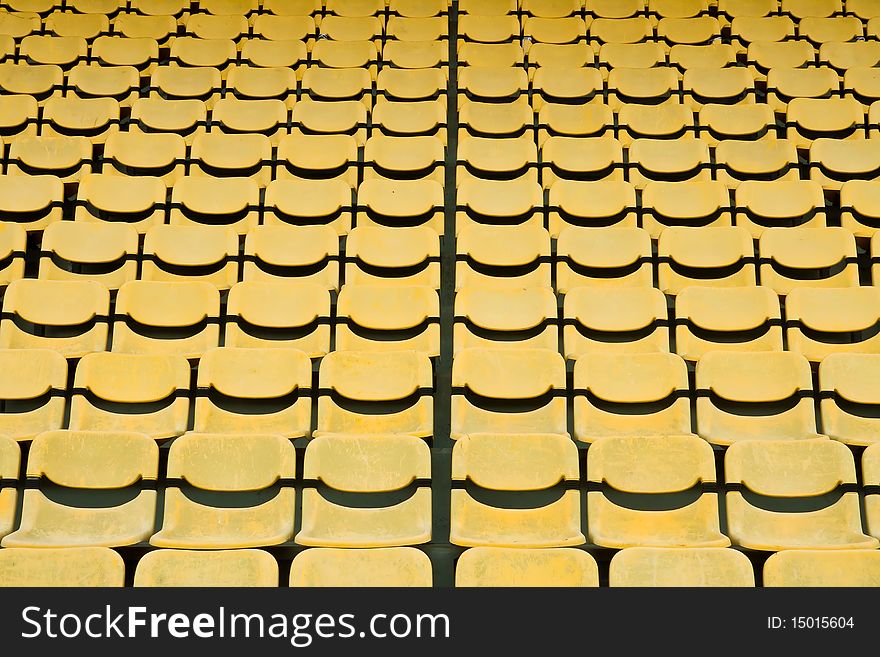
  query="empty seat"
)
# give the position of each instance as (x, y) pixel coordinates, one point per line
(591, 120)
(615, 320)
(501, 318)
(13, 243)
(765, 56)
(40, 81)
(807, 257)
(630, 394)
(143, 26)
(745, 30)
(725, 86)
(288, 58)
(232, 116)
(756, 123)
(106, 253)
(394, 566)
(631, 29)
(813, 118)
(717, 256)
(764, 160)
(92, 461)
(504, 203)
(317, 157)
(680, 567)
(606, 257)
(388, 318)
(231, 202)
(685, 204)
(826, 321)
(94, 118)
(186, 117)
(400, 203)
(240, 155)
(515, 463)
(18, 116)
(668, 121)
(823, 568)
(201, 83)
(261, 82)
(849, 395)
(254, 391)
(53, 50)
(764, 204)
(140, 53)
(411, 84)
(31, 395)
(863, 84)
(686, 158)
(529, 399)
(128, 392)
(393, 256)
(490, 54)
(838, 165)
(67, 158)
(786, 84)
(162, 317)
(632, 55)
(242, 465)
(497, 159)
(679, 464)
(279, 314)
(733, 319)
(69, 317)
(591, 204)
(292, 254)
(124, 202)
(191, 253)
(713, 56)
(540, 567)
(503, 256)
(375, 393)
(348, 117)
(404, 157)
(373, 464)
(488, 29)
(238, 568)
(769, 472)
(79, 567)
(845, 55)
(732, 405)
(801, 9)
(559, 84)
(410, 118)
(139, 155)
(492, 83)
(650, 86)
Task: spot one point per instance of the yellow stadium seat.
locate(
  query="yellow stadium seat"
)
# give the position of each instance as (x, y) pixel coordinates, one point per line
(229, 7)
(530, 398)
(871, 478)
(800, 9)
(64, 157)
(128, 392)
(393, 256)
(66, 316)
(787, 84)
(186, 82)
(683, 159)
(632, 29)
(19, 24)
(262, 79)
(497, 159)
(40, 81)
(292, 7)
(345, 54)
(590, 204)
(679, 464)
(726, 86)
(813, 118)
(757, 8)
(31, 393)
(820, 31)
(503, 256)
(632, 55)
(18, 115)
(667, 121)
(315, 157)
(283, 28)
(488, 29)
(142, 26)
(238, 568)
(786, 56)
(541, 567)
(364, 392)
(717, 256)
(701, 203)
(54, 50)
(680, 567)
(554, 30)
(832, 320)
(765, 159)
(702, 30)
(186, 118)
(650, 86)
(505, 318)
(207, 201)
(823, 568)
(756, 123)
(807, 257)
(418, 8)
(308, 204)
(210, 26)
(91, 461)
(187, 52)
(93, 118)
(515, 463)
(714, 56)
(103, 252)
(10, 463)
(33, 202)
(848, 391)
(413, 55)
(240, 155)
(745, 30)
(405, 158)
(492, 83)
(607, 257)
(565, 54)
(400, 84)
(267, 116)
(136, 202)
(805, 469)
(13, 243)
(490, 54)
(851, 167)
(326, 118)
(81, 567)
(394, 566)
(401, 203)
(118, 82)
(234, 464)
(298, 254)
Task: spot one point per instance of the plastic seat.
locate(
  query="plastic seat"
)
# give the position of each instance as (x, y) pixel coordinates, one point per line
(222, 568)
(103, 252)
(388, 318)
(492, 83)
(726, 86)
(686, 158)
(801, 9)
(807, 257)
(615, 320)
(409, 118)
(283, 28)
(702, 30)
(85, 26)
(530, 398)
(731, 9)
(292, 7)
(260, 80)
(20, 24)
(208, 26)
(813, 118)
(55, 50)
(232, 116)
(317, 157)
(606, 257)
(40, 81)
(696, 204)
(292, 254)
(186, 83)
(135, 202)
(786, 84)
(166, 318)
(79, 567)
(395, 566)
(589, 204)
(805, 469)
(93, 118)
(780, 56)
(66, 316)
(240, 155)
(337, 117)
(503, 256)
(515, 463)
(581, 159)
(141, 26)
(351, 28)
(191, 253)
(822, 568)
(373, 464)
(118, 82)
(632, 55)
(755, 123)
(13, 244)
(633, 29)
(842, 56)
(229, 7)
(614, 8)
(863, 84)
(566, 55)
(732, 319)
(418, 8)
(124, 392)
(230, 202)
(745, 30)
(400, 203)
(554, 30)
(309, 203)
(864, 9)
(488, 29)
(188, 52)
(668, 121)
(404, 157)
(331, 84)
(679, 464)
(18, 115)
(91, 461)
(281, 315)
(413, 55)
(396, 387)
(31, 376)
(345, 55)
(680, 567)
(519, 567)
(846, 165)
(848, 393)
(832, 320)
(235, 464)
(766, 159)
(693, 57)
(820, 31)
(254, 390)
(393, 256)
(498, 55)
(754, 396)
(859, 210)
(498, 202)
(648, 86)
(563, 84)
(422, 28)
(32, 201)
(186, 118)
(763, 204)
(497, 159)
(160, 7)
(67, 158)
(401, 84)
(505, 318)
(719, 256)
(630, 394)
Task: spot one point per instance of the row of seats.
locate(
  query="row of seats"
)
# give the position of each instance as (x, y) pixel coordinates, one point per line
(818, 473)
(735, 395)
(406, 566)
